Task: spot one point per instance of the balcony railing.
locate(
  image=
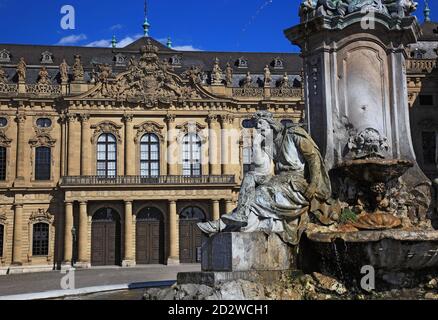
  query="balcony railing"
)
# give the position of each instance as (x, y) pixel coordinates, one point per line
(139, 180)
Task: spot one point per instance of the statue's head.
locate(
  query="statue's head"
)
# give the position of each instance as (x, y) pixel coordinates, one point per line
(264, 120)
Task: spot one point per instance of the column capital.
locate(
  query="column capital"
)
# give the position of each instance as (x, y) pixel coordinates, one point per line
(18, 205)
(127, 202)
(213, 118)
(227, 119)
(84, 117)
(68, 202)
(83, 202)
(170, 117)
(127, 117)
(20, 117)
(71, 117)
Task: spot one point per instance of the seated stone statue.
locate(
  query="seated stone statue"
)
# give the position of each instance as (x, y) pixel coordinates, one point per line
(289, 180)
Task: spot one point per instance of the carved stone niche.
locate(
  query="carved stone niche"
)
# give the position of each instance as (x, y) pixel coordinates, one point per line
(106, 127)
(148, 127)
(46, 57)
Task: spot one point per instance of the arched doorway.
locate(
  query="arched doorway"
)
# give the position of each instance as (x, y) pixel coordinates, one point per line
(105, 238)
(190, 236)
(150, 237)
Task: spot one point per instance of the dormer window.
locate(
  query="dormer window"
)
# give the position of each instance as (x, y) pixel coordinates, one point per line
(120, 59)
(5, 56)
(278, 63)
(242, 63)
(417, 53)
(46, 57)
(175, 61)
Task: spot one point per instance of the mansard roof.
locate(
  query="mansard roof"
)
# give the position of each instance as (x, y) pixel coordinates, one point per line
(256, 62)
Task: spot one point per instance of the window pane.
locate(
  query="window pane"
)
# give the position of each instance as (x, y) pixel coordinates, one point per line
(2, 232)
(42, 163)
(40, 241)
(107, 156)
(149, 155)
(2, 163)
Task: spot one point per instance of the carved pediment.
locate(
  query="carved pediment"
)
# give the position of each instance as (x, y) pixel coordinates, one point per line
(42, 140)
(148, 80)
(41, 216)
(148, 127)
(106, 127)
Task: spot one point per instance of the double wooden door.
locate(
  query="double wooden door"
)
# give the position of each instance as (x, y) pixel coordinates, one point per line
(149, 242)
(105, 241)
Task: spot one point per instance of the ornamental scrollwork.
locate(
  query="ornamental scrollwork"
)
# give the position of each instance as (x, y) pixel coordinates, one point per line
(43, 216)
(106, 127)
(43, 139)
(4, 140)
(148, 127)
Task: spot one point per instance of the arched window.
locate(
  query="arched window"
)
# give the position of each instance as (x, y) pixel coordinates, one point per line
(106, 156)
(2, 163)
(2, 234)
(40, 241)
(193, 213)
(150, 155)
(43, 157)
(192, 155)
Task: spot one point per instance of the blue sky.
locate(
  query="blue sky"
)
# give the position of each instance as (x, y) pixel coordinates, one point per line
(219, 25)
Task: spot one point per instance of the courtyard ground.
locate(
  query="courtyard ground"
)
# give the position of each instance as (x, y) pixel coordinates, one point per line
(95, 279)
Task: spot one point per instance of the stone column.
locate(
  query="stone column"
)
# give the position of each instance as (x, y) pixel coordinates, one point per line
(229, 206)
(129, 259)
(86, 145)
(214, 145)
(83, 235)
(230, 145)
(73, 146)
(216, 210)
(130, 164)
(21, 144)
(173, 234)
(18, 234)
(172, 154)
(68, 239)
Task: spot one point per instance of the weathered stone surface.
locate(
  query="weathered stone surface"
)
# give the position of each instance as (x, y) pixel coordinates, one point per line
(247, 252)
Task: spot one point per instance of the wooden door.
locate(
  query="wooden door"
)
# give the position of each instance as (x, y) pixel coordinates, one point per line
(105, 240)
(150, 237)
(190, 241)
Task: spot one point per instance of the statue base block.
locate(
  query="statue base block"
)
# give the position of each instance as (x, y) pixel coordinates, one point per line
(237, 251)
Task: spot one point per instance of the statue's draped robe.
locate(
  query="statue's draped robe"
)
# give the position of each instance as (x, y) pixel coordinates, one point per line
(280, 205)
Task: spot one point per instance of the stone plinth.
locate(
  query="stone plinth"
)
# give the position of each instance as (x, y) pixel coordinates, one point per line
(235, 252)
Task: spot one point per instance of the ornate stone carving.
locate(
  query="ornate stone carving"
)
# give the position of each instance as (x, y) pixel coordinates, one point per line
(20, 118)
(63, 71)
(127, 117)
(43, 89)
(148, 81)
(42, 216)
(395, 8)
(46, 57)
(190, 127)
(103, 76)
(368, 144)
(284, 82)
(3, 218)
(43, 139)
(148, 127)
(3, 76)
(216, 74)
(247, 81)
(78, 69)
(170, 117)
(229, 75)
(84, 117)
(21, 70)
(106, 127)
(43, 76)
(4, 140)
(5, 56)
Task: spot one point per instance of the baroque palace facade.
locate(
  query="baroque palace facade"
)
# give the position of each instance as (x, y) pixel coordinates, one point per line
(110, 156)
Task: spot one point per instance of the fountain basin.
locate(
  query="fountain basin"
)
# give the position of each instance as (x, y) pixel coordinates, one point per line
(375, 170)
(400, 258)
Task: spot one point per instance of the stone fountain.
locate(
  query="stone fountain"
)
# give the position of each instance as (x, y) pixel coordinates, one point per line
(354, 57)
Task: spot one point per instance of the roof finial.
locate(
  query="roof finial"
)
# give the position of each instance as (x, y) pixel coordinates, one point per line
(426, 11)
(169, 43)
(146, 25)
(114, 42)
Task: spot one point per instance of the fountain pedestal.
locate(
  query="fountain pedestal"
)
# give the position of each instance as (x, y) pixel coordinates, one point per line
(355, 78)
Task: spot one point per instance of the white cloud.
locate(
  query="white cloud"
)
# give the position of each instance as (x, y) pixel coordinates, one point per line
(128, 40)
(186, 48)
(116, 27)
(73, 39)
(100, 43)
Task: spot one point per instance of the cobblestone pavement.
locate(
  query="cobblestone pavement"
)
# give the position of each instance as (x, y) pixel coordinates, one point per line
(47, 281)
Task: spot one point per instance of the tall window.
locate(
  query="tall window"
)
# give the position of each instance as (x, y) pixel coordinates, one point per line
(2, 163)
(150, 155)
(429, 148)
(107, 156)
(2, 234)
(40, 242)
(42, 163)
(247, 159)
(191, 155)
